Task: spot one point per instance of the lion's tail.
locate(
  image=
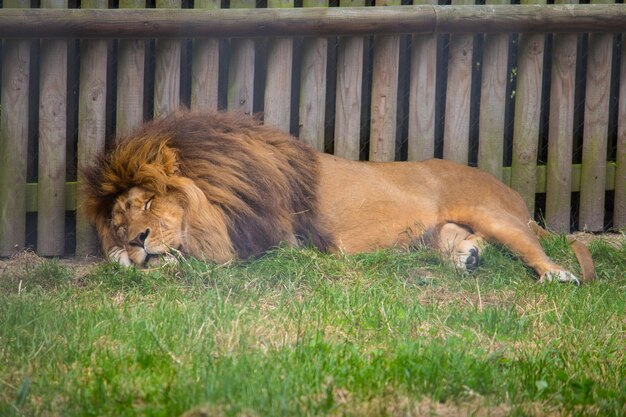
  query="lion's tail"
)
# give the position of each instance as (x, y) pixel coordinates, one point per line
(580, 250)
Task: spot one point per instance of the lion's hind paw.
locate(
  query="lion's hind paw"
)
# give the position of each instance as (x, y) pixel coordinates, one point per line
(472, 260)
(559, 276)
(468, 260)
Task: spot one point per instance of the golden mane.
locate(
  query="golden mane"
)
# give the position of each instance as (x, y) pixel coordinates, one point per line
(261, 183)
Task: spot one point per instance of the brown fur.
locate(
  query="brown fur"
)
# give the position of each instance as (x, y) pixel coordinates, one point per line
(222, 186)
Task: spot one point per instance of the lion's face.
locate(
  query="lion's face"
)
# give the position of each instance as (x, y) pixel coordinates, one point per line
(147, 224)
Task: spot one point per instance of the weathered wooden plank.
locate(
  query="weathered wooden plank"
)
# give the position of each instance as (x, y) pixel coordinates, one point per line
(52, 143)
(277, 99)
(91, 123)
(32, 191)
(422, 95)
(619, 207)
(458, 96)
(167, 69)
(527, 116)
(384, 94)
(130, 75)
(13, 140)
(205, 66)
(332, 21)
(595, 132)
(493, 101)
(16, 4)
(313, 86)
(241, 75)
(348, 93)
(241, 66)
(541, 176)
(560, 133)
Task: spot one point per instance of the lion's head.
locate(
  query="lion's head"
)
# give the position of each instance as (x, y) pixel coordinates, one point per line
(146, 223)
(217, 186)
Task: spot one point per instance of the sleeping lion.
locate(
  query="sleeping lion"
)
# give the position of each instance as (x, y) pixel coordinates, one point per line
(222, 186)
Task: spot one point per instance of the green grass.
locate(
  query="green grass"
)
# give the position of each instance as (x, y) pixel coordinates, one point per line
(302, 333)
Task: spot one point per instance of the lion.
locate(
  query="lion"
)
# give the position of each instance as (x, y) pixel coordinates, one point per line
(222, 186)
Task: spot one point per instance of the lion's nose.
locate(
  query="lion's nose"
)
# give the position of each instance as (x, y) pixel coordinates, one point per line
(140, 239)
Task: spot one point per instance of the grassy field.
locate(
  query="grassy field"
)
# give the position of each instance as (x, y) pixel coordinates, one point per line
(300, 333)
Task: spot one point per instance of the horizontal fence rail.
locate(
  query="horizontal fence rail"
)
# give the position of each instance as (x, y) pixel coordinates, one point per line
(392, 20)
(534, 94)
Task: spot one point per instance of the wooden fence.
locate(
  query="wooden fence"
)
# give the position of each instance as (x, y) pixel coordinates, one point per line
(535, 94)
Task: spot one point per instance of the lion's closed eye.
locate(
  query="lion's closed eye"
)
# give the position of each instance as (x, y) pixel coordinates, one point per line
(148, 204)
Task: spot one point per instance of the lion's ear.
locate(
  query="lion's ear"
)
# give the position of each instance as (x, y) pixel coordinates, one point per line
(157, 174)
(168, 159)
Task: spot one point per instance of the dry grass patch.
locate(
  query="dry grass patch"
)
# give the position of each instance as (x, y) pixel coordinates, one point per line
(390, 404)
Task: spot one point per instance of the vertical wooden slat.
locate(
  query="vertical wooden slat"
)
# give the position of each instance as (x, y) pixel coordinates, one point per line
(458, 95)
(313, 86)
(13, 140)
(596, 130)
(423, 79)
(527, 114)
(619, 214)
(560, 133)
(52, 143)
(241, 68)
(348, 98)
(493, 101)
(167, 69)
(205, 67)
(277, 104)
(91, 122)
(384, 94)
(559, 181)
(130, 75)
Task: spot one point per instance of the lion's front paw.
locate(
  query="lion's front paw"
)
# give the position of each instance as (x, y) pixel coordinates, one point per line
(119, 255)
(560, 276)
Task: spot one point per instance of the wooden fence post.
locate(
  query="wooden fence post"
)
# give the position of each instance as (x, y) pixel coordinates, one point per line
(313, 86)
(596, 130)
(384, 106)
(52, 143)
(422, 95)
(348, 97)
(167, 69)
(130, 76)
(14, 140)
(205, 67)
(560, 134)
(619, 215)
(91, 123)
(493, 101)
(458, 95)
(527, 114)
(559, 167)
(241, 68)
(277, 104)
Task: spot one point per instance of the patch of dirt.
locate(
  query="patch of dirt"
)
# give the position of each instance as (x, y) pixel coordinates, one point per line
(397, 406)
(26, 267)
(21, 263)
(443, 297)
(215, 411)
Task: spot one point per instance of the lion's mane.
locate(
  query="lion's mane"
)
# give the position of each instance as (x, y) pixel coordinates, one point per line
(263, 183)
